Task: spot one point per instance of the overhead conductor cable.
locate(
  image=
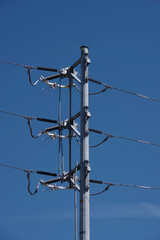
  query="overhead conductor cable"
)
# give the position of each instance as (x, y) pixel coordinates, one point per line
(109, 184)
(28, 171)
(120, 89)
(33, 118)
(32, 67)
(121, 137)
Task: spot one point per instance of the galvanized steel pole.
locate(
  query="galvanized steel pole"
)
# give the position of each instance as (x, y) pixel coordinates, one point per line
(84, 230)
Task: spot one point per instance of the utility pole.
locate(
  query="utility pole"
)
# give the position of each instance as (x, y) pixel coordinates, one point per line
(70, 124)
(84, 231)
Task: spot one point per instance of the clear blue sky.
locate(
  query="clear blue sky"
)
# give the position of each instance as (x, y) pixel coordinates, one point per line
(124, 41)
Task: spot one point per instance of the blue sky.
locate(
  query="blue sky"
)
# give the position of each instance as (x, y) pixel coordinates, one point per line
(124, 47)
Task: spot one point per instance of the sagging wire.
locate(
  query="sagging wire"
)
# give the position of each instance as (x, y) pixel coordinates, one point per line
(28, 118)
(29, 171)
(109, 184)
(97, 145)
(36, 190)
(29, 68)
(98, 193)
(103, 90)
(31, 132)
(121, 137)
(29, 73)
(62, 73)
(53, 136)
(122, 90)
(92, 93)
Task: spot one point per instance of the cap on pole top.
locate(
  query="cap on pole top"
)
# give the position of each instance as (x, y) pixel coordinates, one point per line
(82, 47)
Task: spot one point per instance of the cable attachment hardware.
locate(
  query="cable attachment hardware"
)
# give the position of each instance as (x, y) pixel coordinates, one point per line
(45, 80)
(88, 115)
(87, 167)
(88, 61)
(52, 135)
(63, 72)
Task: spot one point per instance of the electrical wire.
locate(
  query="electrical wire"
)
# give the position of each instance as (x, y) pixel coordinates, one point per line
(103, 90)
(121, 137)
(109, 184)
(31, 132)
(29, 122)
(21, 65)
(122, 90)
(97, 145)
(28, 171)
(29, 117)
(18, 115)
(37, 68)
(31, 67)
(22, 169)
(29, 183)
(92, 93)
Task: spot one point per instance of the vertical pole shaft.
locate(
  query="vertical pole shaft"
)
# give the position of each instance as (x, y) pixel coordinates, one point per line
(75, 201)
(70, 130)
(84, 231)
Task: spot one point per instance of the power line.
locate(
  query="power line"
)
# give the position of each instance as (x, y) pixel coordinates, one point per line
(122, 90)
(29, 122)
(28, 117)
(109, 184)
(71, 176)
(92, 130)
(121, 137)
(37, 68)
(106, 86)
(31, 67)
(29, 170)
(18, 115)
(17, 64)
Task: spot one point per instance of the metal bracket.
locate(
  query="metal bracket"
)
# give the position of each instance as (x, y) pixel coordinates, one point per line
(88, 115)
(88, 61)
(75, 184)
(64, 72)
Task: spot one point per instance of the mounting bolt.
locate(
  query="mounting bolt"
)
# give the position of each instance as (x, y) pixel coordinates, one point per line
(88, 61)
(88, 169)
(88, 115)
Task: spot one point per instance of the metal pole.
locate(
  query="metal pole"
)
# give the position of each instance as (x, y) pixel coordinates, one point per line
(84, 231)
(70, 130)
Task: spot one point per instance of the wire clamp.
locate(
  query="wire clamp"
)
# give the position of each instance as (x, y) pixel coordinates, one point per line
(88, 61)
(63, 72)
(88, 115)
